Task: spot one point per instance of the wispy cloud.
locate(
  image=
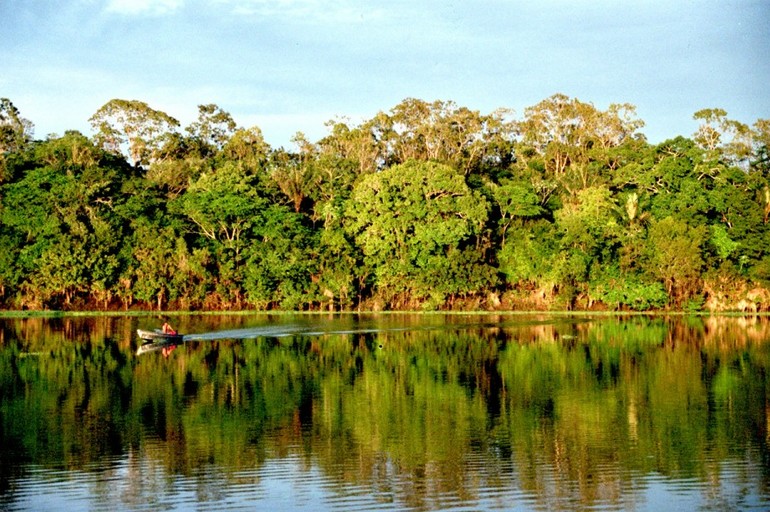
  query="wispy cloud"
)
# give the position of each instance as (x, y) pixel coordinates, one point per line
(143, 7)
(313, 11)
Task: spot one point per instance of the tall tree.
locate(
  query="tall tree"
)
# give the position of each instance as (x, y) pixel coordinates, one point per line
(761, 150)
(443, 132)
(412, 223)
(515, 200)
(359, 145)
(248, 149)
(294, 173)
(573, 137)
(723, 138)
(213, 128)
(133, 122)
(15, 131)
(223, 205)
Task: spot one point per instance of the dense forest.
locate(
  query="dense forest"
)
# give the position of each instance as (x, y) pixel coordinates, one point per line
(427, 206)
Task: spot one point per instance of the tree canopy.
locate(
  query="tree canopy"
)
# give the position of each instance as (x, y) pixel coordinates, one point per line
(428, 205)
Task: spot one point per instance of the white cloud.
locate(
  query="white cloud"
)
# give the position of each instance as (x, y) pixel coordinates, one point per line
(314, 11)
(151, 7)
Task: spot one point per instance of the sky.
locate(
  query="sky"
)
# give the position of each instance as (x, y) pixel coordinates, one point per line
(290, 66)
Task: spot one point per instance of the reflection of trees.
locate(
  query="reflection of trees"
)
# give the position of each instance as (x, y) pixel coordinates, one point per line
(567, 412)
(631, 396)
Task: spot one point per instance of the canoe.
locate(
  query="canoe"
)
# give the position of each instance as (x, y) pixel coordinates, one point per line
(158, 335)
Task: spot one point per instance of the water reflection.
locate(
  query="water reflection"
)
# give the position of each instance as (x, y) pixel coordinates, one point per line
(387, 411)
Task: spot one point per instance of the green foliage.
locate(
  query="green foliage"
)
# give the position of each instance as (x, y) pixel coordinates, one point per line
(620, 291)
(278, 269)
(722, 242)
(430, 205)
(587, 221)
(531, 254)
(213, 127)
(410, 220)
(223, 204)
(673, 255)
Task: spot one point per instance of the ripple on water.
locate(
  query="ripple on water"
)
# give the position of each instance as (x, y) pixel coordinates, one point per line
(294, 482)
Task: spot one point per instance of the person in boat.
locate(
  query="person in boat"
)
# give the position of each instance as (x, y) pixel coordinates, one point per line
(167, 329)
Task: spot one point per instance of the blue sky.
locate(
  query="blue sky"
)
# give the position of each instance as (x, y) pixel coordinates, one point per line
(290, 65)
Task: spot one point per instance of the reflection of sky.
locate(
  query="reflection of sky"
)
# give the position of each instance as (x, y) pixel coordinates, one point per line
(290, 482)
(731, 491)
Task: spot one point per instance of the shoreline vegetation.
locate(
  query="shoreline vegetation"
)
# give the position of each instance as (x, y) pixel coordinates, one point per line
(429, 206)
(61, 314)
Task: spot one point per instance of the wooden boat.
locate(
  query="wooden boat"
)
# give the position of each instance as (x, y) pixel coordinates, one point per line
(159, 336)
(158, 340)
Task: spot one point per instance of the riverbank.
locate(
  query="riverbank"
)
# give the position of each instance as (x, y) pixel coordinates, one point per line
(181, 313)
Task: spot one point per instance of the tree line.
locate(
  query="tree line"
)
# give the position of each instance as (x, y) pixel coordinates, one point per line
(429, 205)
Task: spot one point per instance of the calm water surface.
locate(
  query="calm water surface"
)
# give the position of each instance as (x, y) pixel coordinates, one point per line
(387, 412)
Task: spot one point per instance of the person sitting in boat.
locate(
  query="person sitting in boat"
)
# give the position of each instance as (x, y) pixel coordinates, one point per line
(167, 329)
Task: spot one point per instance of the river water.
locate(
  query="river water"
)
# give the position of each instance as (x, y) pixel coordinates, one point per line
(386, 412)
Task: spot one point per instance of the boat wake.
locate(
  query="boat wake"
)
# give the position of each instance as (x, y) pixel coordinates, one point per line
(346, 328)
(287, 330)
(270, 331)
